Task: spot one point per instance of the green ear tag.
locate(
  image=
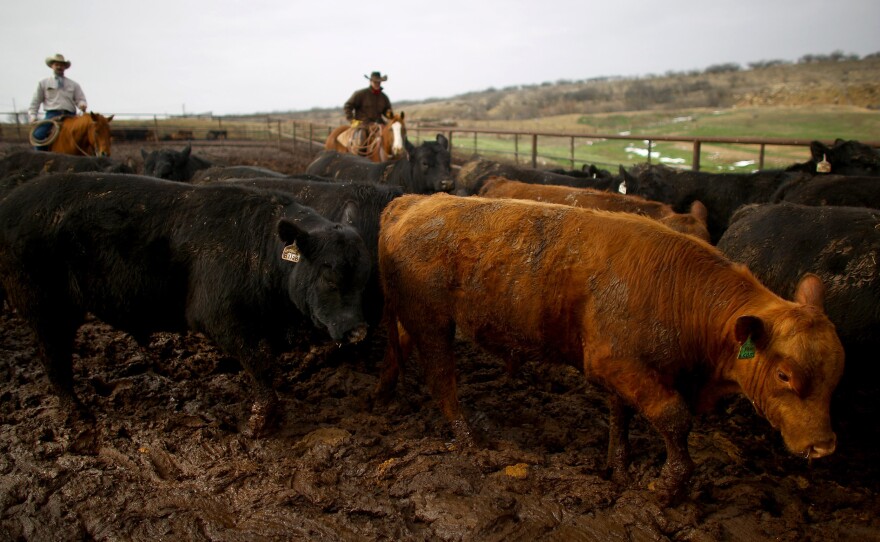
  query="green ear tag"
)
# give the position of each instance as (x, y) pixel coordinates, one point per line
(747, 350)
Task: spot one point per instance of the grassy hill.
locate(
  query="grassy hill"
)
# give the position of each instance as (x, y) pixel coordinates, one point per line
(853, 83)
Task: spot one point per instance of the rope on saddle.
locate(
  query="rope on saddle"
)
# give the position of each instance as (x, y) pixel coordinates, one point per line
(374, 139)
(53, 133)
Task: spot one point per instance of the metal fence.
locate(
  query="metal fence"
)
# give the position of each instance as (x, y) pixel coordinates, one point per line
(534, 149)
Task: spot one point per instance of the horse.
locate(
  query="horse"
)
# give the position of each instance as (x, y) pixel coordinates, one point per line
(383, 142)
(86, 135)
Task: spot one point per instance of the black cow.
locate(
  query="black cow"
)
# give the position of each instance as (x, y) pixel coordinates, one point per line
(359, 205)
(845, 190)
(781, 242)
(30, 163)
(173, 165)
(425, 169)
(844, 158)
(146, 255)
(219, 173)
(475, 173)
(721, 193)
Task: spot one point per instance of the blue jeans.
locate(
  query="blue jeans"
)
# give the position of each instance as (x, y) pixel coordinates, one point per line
(43, 130)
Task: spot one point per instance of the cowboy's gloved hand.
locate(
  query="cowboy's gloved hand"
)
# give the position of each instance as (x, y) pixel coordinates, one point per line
(32, 119)
(83, 107)
(355, 123)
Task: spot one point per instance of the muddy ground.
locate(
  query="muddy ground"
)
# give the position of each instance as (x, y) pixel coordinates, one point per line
(168, 458)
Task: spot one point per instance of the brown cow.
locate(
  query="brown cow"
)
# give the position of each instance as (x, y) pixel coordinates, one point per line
(664, 321)
(692, 223)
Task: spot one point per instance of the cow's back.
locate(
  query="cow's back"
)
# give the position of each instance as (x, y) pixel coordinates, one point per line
(530, 274)
(133, 250)
(693, 223)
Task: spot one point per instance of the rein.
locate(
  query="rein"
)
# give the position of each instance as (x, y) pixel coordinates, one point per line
(76, 144)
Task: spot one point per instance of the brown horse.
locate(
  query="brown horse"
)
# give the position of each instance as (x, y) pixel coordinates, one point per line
(86, 135)
(383, 142)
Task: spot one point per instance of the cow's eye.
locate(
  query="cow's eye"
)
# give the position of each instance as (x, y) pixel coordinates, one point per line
(783, 377)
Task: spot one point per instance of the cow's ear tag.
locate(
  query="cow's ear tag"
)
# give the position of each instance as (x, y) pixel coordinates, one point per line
(747, 350)
(622, 187)
(824, 166)
(291, 253)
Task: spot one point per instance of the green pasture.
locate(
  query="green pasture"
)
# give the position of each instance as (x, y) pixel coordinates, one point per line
(805, 123)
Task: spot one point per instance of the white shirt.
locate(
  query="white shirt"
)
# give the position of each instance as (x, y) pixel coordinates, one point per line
(50, 96)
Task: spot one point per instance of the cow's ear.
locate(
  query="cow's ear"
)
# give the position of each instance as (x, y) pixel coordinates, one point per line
(750, 335)
(349, 214)
(143, 154)
(110, 118)
(810, 291)
(699, 211)
(818, 150)
(184, 154)
(410, 148)
(290, 232)
(441, 139)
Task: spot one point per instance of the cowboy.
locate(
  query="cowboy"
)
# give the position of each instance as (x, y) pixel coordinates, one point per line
(58, 95)
(368, 105)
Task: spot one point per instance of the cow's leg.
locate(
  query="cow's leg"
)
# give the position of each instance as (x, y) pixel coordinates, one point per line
(55, 335)
(436, 354)
(264, 411)
(397, 352)
(652, 395)
(619, 416)
(674, 423)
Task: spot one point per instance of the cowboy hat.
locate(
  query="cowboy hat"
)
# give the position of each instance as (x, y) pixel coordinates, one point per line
(376, 76)
(57, 58)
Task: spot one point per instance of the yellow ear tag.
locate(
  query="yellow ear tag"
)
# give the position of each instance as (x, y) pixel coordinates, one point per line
(291, 253)
(747, 350)
(824, 166)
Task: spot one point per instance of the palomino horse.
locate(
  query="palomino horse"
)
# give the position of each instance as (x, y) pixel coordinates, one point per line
(383, 142)
(87, 135)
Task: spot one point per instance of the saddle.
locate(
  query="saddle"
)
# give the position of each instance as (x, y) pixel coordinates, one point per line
(363, 143)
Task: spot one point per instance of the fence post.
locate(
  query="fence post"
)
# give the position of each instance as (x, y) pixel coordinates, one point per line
(534, 151)
(156, 125)
(311, 134)
(294, 135)
(696, 160)
(516, 149)
(571, 145)
(761, 157)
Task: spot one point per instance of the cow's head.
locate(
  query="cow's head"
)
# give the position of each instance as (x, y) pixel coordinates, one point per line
(788, 362)
(847, 157)
(167, 163)
(431, 165)
(329, 276)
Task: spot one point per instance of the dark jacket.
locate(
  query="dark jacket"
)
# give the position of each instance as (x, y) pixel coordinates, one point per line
(365, 105)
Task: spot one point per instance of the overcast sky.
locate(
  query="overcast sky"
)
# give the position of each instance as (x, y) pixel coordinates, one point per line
(229, 56)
